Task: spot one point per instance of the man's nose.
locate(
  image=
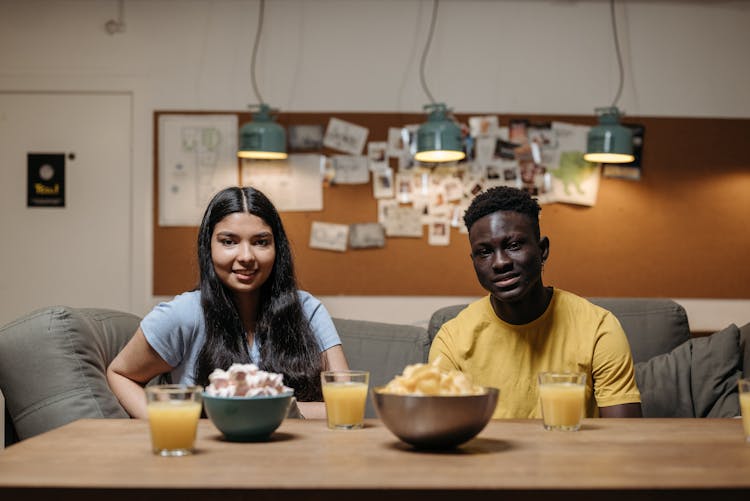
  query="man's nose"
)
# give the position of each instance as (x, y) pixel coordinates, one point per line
(500, 259)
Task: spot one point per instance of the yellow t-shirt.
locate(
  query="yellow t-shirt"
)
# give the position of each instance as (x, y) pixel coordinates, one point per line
(571, 335)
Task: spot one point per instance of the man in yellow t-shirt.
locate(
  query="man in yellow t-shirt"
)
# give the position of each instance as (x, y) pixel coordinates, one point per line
(522, 327)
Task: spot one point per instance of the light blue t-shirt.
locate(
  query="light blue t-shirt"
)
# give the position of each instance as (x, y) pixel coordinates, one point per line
(177, 331)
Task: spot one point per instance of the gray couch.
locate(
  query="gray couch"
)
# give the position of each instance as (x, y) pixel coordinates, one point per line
(53, 361)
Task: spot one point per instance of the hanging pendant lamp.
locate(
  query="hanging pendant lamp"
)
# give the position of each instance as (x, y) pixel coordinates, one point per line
(262, 138)
(439, 139)
(611, 142)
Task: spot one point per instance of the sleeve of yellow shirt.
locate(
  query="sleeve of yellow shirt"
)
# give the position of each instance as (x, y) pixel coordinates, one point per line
(612, 369)
(442, 348)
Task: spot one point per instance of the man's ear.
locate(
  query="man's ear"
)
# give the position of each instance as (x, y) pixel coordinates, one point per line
(544, 248)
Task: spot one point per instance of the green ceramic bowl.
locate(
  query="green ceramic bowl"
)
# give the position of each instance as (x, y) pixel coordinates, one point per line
(247, 419)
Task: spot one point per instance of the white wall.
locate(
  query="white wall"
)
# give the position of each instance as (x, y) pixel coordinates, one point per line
(683, 58)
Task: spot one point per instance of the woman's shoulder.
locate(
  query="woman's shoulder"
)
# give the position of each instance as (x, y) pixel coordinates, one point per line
(185, 306)
(307, 300)
(187, 301)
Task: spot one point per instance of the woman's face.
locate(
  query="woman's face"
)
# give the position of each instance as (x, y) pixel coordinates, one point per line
(243, 252)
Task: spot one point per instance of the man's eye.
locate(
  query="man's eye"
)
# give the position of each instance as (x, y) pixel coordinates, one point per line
(514, 246)
(482, 252)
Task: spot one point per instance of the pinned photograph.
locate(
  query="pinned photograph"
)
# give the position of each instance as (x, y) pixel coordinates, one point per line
(344, 136)
(396, 146)
(409, 134)
(385, 206)
(421, 204)
(421, 183)
(453, 188)
(483, 125)
(366, 236)
(329, 236)
(350, 169)
(493, 172)
(439, 232)
(473, 187)
(518, 131)
(377, 154)
(404, 188)
(484, 150)
(305, 137)
(404, 222)
(457, 215)
(382, 183)
(542, 134)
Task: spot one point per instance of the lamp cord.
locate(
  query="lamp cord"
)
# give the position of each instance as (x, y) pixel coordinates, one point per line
(255, 50)
(427, 49)
(617, 50)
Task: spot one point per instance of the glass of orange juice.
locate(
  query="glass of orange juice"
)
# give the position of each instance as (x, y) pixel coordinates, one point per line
(173, 413)
(744, 385)
(562, 396)
(345, 395)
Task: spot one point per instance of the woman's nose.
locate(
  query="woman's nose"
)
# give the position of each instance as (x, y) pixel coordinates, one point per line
(245, 252)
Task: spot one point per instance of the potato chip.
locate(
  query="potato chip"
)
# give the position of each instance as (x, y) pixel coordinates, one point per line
(430, 379)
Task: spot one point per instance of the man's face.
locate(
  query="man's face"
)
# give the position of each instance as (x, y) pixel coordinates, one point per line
(507, 255)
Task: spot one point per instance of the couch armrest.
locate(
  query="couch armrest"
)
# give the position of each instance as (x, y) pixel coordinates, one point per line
(53, 366)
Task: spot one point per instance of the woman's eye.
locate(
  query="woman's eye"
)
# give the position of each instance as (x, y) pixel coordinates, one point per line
(226, 242)
(263, 242)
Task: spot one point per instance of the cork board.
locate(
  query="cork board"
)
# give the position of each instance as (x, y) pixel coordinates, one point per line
(683, 230)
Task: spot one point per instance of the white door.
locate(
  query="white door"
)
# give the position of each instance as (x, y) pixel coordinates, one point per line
(77, 255)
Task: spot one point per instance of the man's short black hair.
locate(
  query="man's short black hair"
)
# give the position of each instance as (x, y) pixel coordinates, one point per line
(503, 198)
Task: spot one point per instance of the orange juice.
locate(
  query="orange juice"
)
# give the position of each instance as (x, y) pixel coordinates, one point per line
(562, 405)
(345, 403)
(745, 406)
(173, 424)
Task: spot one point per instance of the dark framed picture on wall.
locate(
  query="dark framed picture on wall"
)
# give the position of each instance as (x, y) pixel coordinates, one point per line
(45, 180)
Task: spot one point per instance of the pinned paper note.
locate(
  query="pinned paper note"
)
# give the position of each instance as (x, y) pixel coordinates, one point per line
(329, 236)
(344, 136)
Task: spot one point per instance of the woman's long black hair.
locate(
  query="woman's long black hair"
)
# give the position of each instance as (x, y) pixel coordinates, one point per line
(287, 344)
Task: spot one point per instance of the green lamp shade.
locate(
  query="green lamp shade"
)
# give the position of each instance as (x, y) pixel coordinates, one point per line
(262, 138)
(609, 142)
(439, 139)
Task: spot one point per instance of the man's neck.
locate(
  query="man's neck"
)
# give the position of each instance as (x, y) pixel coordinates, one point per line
(526, 310)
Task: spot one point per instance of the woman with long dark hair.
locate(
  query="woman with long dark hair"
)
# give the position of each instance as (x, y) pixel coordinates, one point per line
(247, 309)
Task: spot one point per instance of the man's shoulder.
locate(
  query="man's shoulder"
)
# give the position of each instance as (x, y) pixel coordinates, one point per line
(473, 314)
(574, 310)
(570, 301)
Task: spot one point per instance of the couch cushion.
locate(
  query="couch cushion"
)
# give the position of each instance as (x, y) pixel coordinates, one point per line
(696, 379)
(53, 366)
(441, 316)
(381, 348)
(745, 349)
(653, 326)
(716, 368)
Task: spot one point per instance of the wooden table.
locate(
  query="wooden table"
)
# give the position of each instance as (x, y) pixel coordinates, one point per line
(608, 459)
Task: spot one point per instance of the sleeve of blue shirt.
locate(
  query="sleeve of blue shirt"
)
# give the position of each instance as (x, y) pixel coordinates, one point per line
(172, 328)
(320, 321)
